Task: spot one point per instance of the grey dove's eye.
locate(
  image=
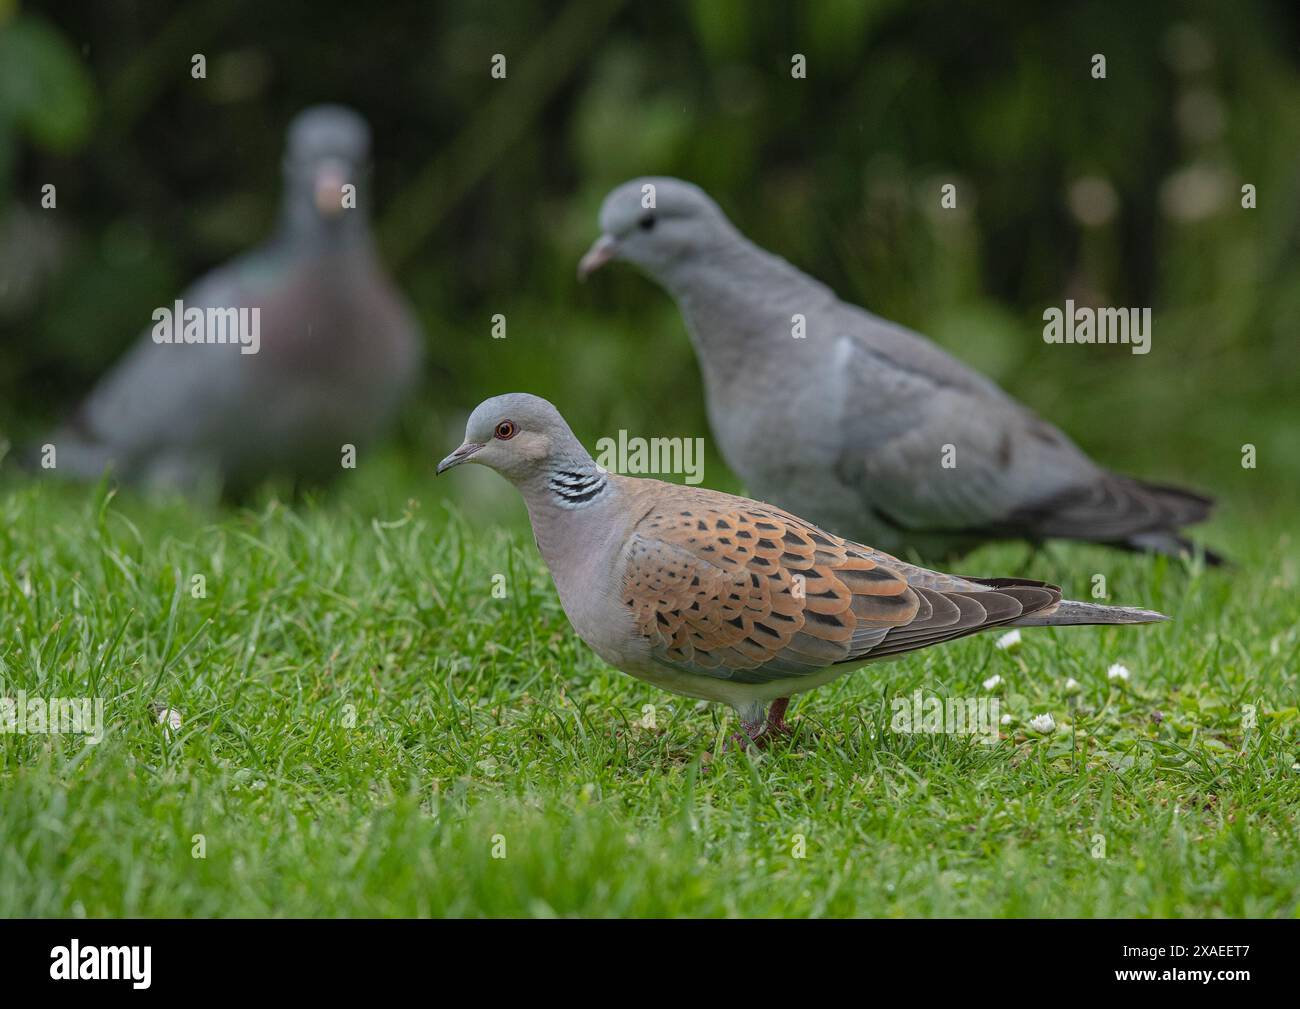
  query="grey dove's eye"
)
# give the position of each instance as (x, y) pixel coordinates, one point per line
(647, 222)
(505, 430)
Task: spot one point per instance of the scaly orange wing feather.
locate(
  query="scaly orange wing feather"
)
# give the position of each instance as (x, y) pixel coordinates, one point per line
(730, 588)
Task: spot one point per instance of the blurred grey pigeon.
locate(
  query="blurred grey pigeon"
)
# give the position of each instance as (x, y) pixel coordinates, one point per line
(723, 598)
(849, 425)
(336, 346)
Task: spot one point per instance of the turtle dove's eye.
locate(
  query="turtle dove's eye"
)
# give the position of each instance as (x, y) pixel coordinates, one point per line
(505, 430)
(647, 222)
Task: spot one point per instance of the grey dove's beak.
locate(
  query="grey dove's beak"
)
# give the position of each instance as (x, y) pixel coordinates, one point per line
(601, 252)
(330, 180)
(457, 457)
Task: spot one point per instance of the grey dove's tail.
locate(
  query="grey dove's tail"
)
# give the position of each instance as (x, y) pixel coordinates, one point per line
(1177, 507)
(1069, 612)
(1121, 512)
(1173, 545)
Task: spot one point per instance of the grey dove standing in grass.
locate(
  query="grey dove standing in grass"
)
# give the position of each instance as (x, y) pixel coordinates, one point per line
(723, 598)
(849, 424)
(336, 349)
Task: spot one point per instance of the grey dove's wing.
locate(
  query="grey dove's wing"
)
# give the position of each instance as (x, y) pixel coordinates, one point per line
(939, 448)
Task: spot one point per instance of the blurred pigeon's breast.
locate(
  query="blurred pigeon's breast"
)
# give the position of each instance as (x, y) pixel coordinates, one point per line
(338, 352)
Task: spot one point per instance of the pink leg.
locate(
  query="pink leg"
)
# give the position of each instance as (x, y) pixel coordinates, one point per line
(776, 717)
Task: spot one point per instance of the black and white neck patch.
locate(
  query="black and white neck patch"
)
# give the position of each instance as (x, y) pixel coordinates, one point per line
(574, 488)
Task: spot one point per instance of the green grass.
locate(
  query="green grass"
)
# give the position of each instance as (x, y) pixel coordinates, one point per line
(363, 721)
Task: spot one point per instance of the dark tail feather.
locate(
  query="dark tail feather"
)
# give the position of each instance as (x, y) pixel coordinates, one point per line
(1071, 612)
(1178, 506)
(1123, 512)
(1173, 545)
(1052, 611)
(77, 458)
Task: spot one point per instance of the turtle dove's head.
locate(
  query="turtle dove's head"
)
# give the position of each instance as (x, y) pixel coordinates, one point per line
(518, 435)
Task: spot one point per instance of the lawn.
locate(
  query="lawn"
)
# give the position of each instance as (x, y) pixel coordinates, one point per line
(368, 728)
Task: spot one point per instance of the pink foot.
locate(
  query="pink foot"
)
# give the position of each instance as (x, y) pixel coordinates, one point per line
(755, 734)
(761, 733)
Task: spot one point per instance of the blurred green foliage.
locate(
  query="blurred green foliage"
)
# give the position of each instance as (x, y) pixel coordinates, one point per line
(1123, 191)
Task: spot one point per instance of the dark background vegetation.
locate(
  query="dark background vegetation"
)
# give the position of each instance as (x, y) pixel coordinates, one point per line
(1117, 192)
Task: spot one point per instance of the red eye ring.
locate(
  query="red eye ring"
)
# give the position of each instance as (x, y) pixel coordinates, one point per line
(505, 430)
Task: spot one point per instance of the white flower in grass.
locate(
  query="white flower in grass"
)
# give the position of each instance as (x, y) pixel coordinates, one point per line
(1118, 672)
(1009, 641)
(169, 718)
(993, 682)
(1072, 686)
(1044, 724)
(1006, 719)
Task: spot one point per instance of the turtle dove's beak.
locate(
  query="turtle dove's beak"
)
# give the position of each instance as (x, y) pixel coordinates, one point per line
(601, 252)
(457, 457)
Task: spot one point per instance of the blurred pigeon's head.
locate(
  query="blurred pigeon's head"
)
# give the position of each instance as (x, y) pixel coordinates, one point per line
(656, 223)
(328, 149)
(519, 436)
